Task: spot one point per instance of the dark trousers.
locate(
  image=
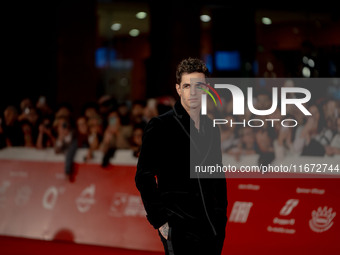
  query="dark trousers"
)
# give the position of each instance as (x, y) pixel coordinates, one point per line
(184, 241)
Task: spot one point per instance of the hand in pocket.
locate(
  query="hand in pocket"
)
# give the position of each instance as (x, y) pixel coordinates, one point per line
(164, 230)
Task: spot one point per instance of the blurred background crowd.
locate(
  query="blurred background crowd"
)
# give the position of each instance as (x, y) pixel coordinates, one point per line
(92, 73)
(107, 125)
(315, 135)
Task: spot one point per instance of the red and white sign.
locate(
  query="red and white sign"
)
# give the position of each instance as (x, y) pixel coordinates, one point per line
(103, 207)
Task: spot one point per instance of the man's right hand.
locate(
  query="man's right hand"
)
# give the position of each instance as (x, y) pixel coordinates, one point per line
(164, 230)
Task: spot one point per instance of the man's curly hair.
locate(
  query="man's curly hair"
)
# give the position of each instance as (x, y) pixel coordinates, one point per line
(191, 65)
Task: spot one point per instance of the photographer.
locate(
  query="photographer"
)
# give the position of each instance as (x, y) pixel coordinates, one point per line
(64, 135)
(45, 138)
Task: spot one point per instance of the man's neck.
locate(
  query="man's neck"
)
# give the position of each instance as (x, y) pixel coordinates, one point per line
(194, 114)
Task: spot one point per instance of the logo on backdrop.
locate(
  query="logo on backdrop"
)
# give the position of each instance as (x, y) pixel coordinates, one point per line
(240, 211)
(23, 195)
(3, 188)
(124, 204)
(86, 199)
(289, 206)
(284, 225)
(322, 219)
(50, 198)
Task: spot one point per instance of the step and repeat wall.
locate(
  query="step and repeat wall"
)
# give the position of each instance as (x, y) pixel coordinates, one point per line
(102, 206)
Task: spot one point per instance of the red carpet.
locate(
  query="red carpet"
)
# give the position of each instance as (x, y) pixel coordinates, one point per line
(23, 246)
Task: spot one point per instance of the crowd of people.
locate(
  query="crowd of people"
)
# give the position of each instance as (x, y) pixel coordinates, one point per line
(315, 135)
(108, 125)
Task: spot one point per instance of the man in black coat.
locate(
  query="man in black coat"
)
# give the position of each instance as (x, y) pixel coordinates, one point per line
(189, 211)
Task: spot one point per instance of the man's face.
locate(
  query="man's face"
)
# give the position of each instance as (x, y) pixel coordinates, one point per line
(190, 92)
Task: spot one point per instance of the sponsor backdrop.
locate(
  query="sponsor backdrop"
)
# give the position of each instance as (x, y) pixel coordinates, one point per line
(102, 207)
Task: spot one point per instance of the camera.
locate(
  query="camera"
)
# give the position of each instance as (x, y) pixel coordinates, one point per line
(27, 110)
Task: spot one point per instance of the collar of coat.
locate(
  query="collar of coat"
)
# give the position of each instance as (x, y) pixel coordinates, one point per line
(185, 118)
